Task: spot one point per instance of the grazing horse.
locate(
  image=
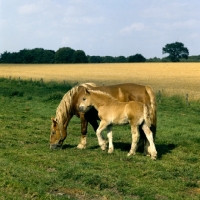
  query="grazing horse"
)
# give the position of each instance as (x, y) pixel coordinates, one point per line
(68, 107)
(111, 111)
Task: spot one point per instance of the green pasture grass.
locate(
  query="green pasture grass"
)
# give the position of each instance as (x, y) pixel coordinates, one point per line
(30, 170)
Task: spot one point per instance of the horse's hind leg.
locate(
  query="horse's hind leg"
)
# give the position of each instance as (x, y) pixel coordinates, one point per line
(102, 142)
(147, 148)
(109, 135)
(149, 136)
(135, 139)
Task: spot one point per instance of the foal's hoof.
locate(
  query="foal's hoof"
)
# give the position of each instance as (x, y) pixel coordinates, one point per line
(103, 146)
(81, 146)
(130, 154)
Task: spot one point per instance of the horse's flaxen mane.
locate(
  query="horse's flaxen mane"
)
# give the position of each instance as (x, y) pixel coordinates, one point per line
(88, 84)
(64, 108)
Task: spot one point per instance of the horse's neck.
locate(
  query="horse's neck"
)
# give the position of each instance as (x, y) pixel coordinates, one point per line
(63, 114)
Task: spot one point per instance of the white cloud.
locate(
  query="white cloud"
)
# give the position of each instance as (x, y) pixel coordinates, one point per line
(132, 27)
(29, 9)
(186, 25)
(92, 20)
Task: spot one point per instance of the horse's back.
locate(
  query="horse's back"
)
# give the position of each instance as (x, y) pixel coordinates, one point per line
(126, 92)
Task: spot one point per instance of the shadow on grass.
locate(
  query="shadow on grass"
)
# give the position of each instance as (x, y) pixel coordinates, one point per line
(68, 146)
(94, 147)
(162, 149)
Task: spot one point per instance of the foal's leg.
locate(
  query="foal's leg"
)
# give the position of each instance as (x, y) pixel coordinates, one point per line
(109, 135)
(135, 139)
(102, 126)
(149, 136)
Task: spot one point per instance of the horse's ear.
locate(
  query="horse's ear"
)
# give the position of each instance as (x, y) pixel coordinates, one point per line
(54, 121)
(87, 91)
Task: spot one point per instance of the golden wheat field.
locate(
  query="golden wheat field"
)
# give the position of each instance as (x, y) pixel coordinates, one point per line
(170, 78)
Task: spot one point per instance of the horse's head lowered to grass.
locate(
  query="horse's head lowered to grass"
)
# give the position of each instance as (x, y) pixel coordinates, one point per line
(58, 134)
(67, 108)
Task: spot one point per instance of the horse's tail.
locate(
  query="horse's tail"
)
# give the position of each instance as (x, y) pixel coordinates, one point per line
(152, 109)
(146, 114)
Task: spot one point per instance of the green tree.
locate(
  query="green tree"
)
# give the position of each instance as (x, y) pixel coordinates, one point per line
(43, 56)
(108, 59)
(64, 55)
(26, 56)
(48, 56)
(94, 59)
(155, 59)
(120, 59)
(176, 51)
(6, 57)
(80, 57)
(136, 58)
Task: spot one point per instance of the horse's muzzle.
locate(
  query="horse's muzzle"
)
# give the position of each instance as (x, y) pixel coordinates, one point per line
(84, 108)
(55, 146)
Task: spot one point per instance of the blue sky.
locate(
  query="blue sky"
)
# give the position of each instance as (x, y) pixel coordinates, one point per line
(100, 27)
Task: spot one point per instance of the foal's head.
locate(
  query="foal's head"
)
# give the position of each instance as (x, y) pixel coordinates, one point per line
(85, 103)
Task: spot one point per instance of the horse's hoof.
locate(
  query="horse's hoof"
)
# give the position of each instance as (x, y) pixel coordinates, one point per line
(110, 150)
(81, 146)
(154, 155)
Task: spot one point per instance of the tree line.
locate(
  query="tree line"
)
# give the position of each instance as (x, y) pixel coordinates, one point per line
(62, 55)
(177, 52)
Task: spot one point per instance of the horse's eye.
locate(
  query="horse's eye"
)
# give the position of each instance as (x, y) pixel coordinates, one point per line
(84, 98)
(53, 132)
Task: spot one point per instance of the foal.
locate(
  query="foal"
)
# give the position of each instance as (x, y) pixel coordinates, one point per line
(111, 111)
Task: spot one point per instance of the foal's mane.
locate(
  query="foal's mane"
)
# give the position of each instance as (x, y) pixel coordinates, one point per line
(105, 94)
(64, 108)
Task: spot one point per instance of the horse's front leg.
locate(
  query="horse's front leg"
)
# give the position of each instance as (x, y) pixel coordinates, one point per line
(102, 142)
(110, 140)
(84, 124)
